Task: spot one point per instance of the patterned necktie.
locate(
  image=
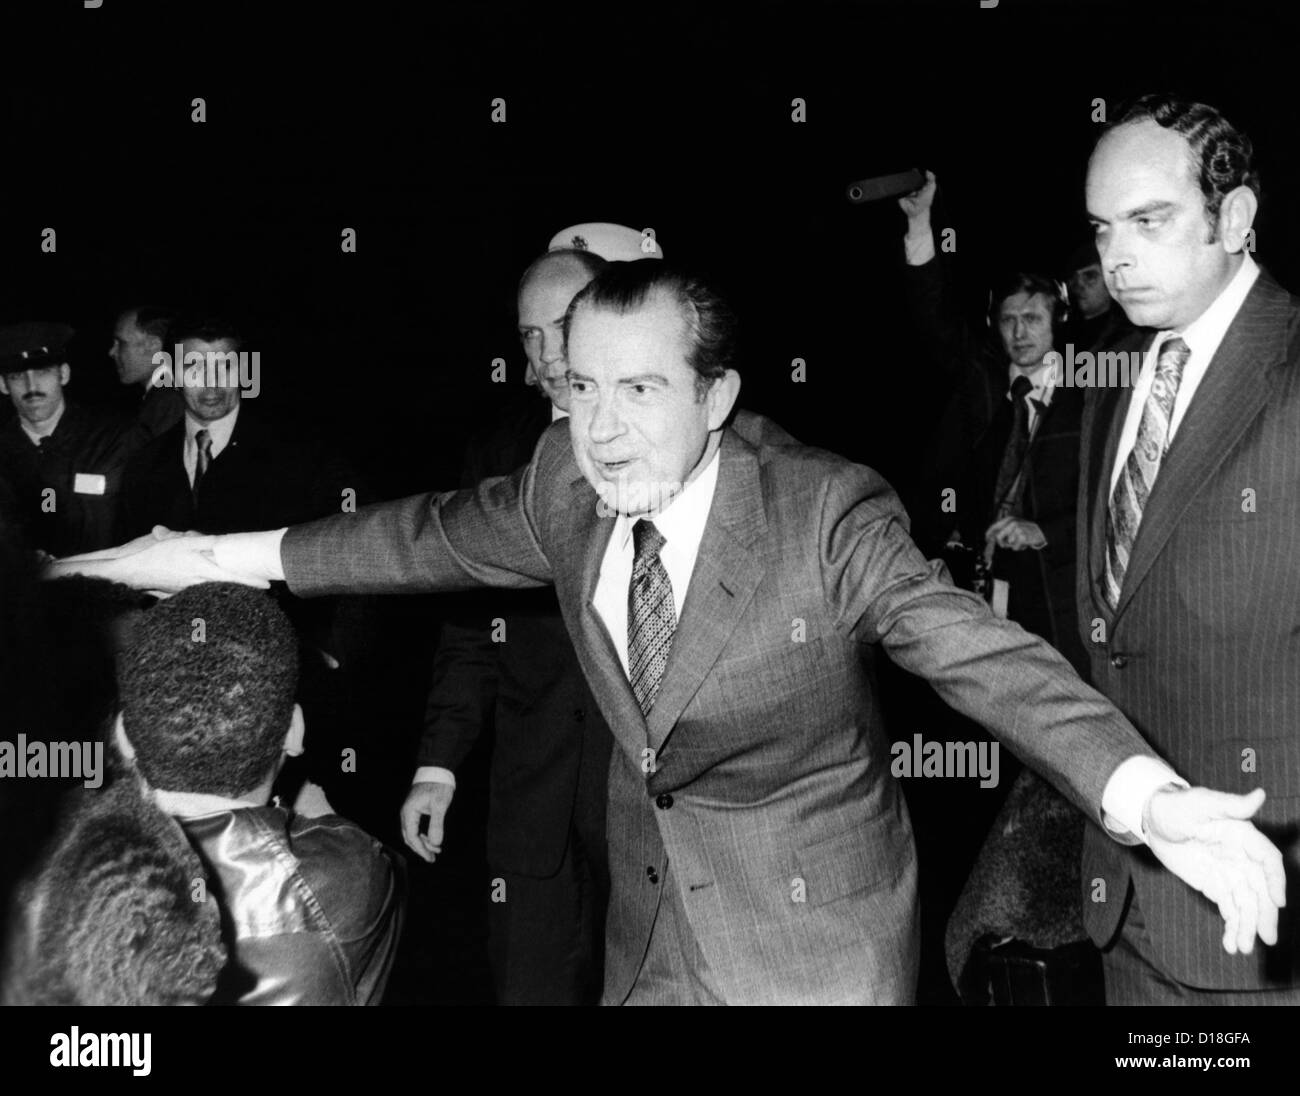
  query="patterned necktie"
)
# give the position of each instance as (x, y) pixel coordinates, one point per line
(1010, 483)
(1135, 482)
(204, 442)
(651, 618)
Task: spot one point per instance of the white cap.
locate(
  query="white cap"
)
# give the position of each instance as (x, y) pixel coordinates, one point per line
(613, 243)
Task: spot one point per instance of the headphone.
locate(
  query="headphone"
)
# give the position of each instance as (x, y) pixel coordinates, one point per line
(1059, 297)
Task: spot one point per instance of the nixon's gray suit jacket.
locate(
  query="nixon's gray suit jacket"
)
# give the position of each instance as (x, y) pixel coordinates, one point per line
(763, 770)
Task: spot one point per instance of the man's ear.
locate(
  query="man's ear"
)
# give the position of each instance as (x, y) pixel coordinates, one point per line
(297, 728)
(123, 743)
(65, 374)
(1236, 215)
(722, 398)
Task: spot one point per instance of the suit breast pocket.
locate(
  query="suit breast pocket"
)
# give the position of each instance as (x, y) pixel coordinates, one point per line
(1238, 570)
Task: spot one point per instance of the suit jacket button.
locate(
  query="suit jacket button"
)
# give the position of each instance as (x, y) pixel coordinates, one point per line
(664, 801)
(652, 875)
(1119, 661)
(579, 714)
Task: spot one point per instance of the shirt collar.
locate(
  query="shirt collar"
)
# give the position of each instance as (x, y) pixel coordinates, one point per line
(1042, 376)
(1204, 334)
(56, 419)
(219, 430)
(682, 521)
(198, 804)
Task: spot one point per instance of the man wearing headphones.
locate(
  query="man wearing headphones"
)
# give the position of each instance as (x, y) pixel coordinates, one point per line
(1009, 439)
(998, 502)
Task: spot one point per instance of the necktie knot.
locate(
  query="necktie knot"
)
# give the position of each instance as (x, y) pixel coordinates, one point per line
(204, 440)
(1021, 387)
(1173, 357)
(646, 541)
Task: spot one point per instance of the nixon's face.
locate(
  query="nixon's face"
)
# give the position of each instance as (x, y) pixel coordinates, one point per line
(37, 394)
(639, 428)
(204, 402)
(542, 305)
(1152, 235)
(1025, 324)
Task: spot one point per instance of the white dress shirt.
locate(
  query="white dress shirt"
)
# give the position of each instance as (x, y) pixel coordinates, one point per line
(682, 524)
(1202, 336)
(1043, 378)
(219, 431)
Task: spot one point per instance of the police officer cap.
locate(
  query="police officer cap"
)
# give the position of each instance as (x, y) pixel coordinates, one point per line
(613, 243)
(33, 346)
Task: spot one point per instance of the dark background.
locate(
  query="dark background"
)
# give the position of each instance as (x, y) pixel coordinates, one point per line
(675, 118)
(667, 116)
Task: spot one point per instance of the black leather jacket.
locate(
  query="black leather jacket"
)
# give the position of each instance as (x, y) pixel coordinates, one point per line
(311, 908)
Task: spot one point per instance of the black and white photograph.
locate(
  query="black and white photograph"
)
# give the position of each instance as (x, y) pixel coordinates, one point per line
(783, 504)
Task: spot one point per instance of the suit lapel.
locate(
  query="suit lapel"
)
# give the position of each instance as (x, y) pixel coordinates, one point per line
(727, 572)
(1232, 393)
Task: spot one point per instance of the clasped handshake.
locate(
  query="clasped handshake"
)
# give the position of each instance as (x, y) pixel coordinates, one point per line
(161, 562)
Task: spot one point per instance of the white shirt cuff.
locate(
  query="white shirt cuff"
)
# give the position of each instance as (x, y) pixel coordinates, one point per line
(1129, 788)
(434, 774)
(254, 555)
(919, 248)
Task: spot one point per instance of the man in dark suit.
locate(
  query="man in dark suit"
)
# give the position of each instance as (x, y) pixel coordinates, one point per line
(1096, 322)
(727, 591)
(228, 466)
(138, 335)
(513, 667)
(1008, 438)
(64, 462)
(225, 467)
(1189, 589)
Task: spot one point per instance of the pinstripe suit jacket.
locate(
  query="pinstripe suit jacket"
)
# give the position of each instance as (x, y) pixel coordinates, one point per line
(763, 770)
(1203, 651)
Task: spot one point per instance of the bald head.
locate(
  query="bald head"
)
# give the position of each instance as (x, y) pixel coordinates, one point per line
(562, 264)
(545, 290)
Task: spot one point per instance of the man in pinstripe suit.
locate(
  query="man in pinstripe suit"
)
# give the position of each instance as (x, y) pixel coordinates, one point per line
(1189, 592)
(728, 591)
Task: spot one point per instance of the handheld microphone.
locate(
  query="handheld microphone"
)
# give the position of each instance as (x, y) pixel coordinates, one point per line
(885, 186)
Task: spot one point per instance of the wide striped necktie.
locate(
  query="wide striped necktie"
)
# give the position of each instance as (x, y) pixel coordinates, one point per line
(651, 617)
(1138, 477)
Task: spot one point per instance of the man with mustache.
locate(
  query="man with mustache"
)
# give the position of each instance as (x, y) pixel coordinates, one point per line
(64, 461)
